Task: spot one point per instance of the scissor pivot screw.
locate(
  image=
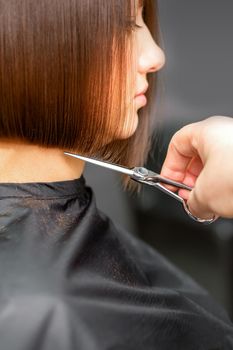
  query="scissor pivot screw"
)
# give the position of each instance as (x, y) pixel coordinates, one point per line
(143, 171)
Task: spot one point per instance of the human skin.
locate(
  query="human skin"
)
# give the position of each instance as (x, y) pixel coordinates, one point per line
(22, 162)
(150, 59)
(200, 155)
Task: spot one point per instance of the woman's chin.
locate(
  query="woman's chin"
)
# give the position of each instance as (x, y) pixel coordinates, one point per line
(129, 130)
(126, 132)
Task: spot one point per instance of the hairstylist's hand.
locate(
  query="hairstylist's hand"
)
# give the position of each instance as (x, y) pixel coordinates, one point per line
(201, 155)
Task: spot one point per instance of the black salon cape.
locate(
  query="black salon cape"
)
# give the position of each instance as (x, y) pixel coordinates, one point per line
(72, 279)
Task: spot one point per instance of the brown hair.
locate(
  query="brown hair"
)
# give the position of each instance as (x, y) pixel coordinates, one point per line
(66, 68)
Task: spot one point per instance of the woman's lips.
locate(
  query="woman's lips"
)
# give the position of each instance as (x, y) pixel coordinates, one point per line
(141, 99)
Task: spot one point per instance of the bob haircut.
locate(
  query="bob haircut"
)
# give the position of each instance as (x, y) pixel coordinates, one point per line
(66, 68)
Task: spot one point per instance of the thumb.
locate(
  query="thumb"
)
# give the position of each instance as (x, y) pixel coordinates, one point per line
(199, 198)
(180, 152)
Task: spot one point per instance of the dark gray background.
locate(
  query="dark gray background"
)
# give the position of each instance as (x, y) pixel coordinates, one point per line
(197, 37)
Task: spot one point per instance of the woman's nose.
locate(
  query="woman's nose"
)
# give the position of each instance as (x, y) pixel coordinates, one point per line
(152, 57)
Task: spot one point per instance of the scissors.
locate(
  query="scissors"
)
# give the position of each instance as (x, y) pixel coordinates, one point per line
(148, 177)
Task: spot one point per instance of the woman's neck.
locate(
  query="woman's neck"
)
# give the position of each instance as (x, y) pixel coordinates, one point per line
(23, 162)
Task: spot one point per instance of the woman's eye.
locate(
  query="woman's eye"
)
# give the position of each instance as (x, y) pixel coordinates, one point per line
(137, 26)
(133, 25)
(143, 13)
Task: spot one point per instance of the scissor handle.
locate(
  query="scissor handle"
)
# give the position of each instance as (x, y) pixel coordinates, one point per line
(146, 176)
(185, 206)
(203, 221)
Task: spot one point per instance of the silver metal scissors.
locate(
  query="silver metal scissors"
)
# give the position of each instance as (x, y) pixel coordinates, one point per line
(148, 177)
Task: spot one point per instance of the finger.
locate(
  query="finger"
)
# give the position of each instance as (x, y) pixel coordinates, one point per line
(193, 170)
(180, 152)
(198, 201)
(197, 209)
(179, 155)
(170, 170)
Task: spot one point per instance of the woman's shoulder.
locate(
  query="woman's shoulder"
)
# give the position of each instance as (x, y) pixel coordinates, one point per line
(73, 279)
(163, 274)
(175, 299)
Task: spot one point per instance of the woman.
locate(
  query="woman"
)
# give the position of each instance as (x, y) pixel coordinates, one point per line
(70, 278)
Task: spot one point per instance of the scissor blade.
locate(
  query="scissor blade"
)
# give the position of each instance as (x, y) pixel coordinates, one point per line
(173, 183)
(108, 165)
